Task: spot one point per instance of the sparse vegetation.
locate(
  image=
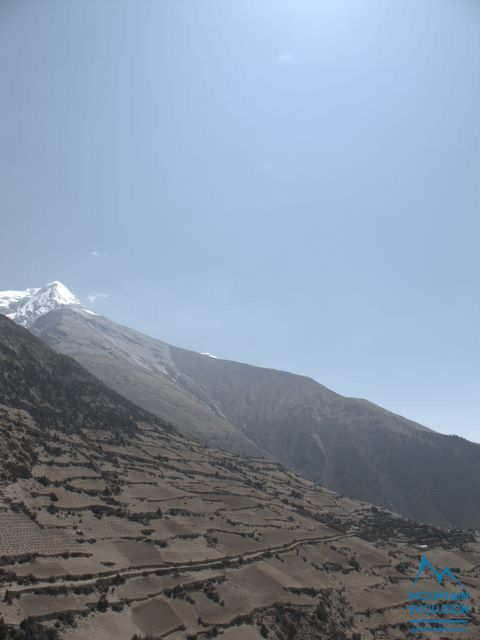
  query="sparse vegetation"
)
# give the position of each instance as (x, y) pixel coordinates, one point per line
(123, 521)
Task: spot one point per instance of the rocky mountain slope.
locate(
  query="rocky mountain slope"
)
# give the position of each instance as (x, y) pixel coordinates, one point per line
(141, 369)
(56, 390)
(132, 531)
(347, 444)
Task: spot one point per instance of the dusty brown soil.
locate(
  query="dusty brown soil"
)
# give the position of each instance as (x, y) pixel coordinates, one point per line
(157, 536)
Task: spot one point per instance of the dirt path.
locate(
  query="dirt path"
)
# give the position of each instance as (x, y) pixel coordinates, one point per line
(167, 568)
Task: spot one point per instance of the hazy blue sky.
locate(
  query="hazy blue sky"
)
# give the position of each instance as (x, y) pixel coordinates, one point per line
(291, 184)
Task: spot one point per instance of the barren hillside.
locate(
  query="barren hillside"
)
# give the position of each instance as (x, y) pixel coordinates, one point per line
(140, 532)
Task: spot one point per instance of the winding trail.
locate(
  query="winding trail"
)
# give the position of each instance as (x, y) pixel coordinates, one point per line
(168, 568)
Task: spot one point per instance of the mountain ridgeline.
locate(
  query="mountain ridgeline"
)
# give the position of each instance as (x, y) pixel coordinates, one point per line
(347, 444)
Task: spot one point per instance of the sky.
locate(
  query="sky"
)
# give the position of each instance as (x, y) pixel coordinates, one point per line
(294, 184)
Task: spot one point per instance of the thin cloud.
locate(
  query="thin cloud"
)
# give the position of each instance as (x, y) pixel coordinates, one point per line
(96, 295)
(95, 253)
(286, 58)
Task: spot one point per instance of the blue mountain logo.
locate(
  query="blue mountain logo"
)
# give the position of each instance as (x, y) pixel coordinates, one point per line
(426, 564)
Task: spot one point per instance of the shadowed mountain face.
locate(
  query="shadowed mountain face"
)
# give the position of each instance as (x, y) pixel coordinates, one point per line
(56, 390)
(115, 527)
(51, 391)
(347, 444)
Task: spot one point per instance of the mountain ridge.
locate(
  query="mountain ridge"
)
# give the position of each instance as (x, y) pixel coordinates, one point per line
(140, 368)
(347, 444)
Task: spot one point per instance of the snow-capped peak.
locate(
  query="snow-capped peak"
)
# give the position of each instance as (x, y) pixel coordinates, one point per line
(26, 306)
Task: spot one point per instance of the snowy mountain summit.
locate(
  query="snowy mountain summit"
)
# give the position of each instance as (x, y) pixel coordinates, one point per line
(26, 306)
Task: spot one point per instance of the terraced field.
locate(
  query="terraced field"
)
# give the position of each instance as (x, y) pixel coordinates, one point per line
(152, 535)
